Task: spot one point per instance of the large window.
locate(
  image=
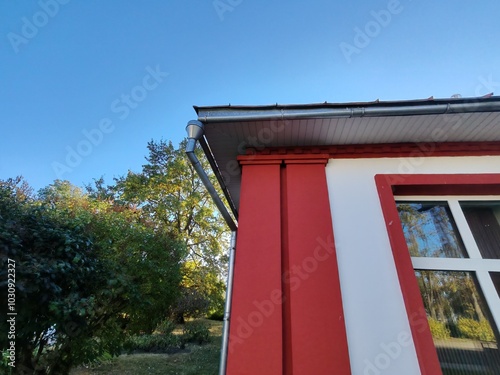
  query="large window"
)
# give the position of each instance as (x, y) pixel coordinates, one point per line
(454, 245)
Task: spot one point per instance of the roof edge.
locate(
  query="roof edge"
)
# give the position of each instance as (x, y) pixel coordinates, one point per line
(227, 113)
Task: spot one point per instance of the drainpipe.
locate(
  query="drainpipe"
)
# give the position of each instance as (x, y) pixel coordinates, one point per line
(227, 307)
(194, 129)
(195, 133)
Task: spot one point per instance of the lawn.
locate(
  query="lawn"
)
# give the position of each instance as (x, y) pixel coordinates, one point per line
(194, 360)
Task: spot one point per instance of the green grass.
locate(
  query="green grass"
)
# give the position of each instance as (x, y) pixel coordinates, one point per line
(195, 360)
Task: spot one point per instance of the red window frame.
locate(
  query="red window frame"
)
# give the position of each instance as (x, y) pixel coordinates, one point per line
(389, 185)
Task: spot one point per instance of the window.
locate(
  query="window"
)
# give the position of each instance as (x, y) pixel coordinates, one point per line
(455, 250)
(452, 243)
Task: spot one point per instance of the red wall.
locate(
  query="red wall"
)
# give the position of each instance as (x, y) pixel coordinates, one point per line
(287, 315)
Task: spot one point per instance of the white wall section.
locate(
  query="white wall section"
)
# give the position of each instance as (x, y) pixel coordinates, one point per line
(377, 326)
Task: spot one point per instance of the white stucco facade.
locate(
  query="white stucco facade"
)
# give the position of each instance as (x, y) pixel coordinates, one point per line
(378, 331)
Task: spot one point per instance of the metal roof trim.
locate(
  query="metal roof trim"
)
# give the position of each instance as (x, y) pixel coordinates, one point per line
(348, 110)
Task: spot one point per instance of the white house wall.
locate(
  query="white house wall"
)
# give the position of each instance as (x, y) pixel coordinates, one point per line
(377, 326)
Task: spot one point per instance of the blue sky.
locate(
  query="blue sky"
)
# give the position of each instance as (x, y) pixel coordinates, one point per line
(86, 84)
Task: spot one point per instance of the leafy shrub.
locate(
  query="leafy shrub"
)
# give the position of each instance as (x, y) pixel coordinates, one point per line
(196, 331)
(438, 329)
(472, 329)
(88, 273)
(191, 304)
(153, 343)
(163, 340)
(166, 327)
(216, 316)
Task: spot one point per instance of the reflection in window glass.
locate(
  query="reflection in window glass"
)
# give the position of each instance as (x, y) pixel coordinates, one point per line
(459, 322)
(484, 222)
(495, 277)
(430, 230)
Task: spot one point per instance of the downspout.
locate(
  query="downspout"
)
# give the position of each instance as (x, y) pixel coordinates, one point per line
(227, 307)
(195, 133)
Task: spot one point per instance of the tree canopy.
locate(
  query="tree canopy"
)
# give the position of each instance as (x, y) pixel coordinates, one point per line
(97, 264)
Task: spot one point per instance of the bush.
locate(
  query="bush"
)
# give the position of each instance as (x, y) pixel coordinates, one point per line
(216, 316)
(163, 340)
(166, 327)
(472, 329)
(191, 304)
(196, 331)
(438, 329)
(153, 343)
(88, 272)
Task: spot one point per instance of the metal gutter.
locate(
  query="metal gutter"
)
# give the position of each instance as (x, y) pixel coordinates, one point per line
(215, 168)
(195, 132)
(377, 109)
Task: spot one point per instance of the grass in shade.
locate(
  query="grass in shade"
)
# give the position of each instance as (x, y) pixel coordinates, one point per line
(194, 360)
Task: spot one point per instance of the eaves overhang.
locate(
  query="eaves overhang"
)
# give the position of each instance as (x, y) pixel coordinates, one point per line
(232, 130)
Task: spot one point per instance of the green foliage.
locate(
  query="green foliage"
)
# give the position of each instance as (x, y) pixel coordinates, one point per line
(216, 316)
(86, 272)
(95, 267)
(191, 303)
(141, 260)
(193, 360)
(196, 331)
(165, 327)
(153, 343)
(163, 340)
(55, 264)
(438, 329)
(171, 195)
(472, 329)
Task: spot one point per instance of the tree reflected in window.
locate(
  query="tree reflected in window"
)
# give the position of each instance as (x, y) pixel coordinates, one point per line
(430, 230)
(460, 321)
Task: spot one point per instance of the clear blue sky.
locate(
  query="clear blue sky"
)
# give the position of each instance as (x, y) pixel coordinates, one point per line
(124, 72)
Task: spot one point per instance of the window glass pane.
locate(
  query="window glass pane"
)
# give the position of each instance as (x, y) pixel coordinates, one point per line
(430, 230)
(459, 321)
(484, 222)
(495, 276)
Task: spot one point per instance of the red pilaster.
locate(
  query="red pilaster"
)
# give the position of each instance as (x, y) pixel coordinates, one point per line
(315, 336)
(287, 315)
(255, 339)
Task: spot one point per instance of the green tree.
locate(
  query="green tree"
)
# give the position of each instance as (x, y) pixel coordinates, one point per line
(170, 193)
(87, 272)
(54, 264)
(144, 259)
